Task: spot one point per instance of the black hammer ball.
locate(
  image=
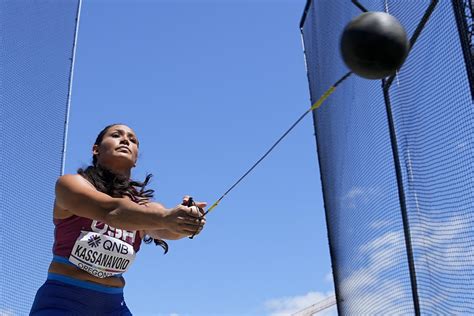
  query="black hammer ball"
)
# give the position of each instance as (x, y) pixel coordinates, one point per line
(374, 45)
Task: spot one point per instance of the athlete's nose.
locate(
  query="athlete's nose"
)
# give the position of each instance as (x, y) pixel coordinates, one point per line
(125, 141)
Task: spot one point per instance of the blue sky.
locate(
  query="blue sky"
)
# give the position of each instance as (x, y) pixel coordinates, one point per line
(208, 86)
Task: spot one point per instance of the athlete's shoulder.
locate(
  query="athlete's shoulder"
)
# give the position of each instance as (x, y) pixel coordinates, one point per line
(71, 177)
(73, 181)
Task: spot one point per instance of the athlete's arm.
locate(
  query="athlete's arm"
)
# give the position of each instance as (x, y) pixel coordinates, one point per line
(76, 195)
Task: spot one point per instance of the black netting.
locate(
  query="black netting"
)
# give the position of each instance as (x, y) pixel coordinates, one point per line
(36, 50)
(433, 117)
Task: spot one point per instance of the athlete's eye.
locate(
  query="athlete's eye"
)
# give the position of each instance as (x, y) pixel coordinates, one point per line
(133, 140)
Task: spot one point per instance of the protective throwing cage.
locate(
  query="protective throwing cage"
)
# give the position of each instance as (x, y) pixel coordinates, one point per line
(396, 161)
(36, 59)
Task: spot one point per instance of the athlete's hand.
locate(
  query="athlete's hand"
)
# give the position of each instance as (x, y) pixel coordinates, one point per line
(200, 205)
(185, 220)
(188, 201)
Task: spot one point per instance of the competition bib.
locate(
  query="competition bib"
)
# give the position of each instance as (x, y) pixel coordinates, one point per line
(101, 255)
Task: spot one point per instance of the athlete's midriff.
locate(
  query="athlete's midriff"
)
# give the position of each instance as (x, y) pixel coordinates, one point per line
(74, 272)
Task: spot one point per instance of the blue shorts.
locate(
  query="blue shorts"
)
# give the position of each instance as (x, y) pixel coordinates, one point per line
(62, 295)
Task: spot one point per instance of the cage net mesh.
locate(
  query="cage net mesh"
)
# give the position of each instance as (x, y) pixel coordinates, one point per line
(433, 118)
(36, 51)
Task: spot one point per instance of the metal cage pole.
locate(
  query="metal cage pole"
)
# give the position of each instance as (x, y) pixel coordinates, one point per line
(466, 34)
(386, 84)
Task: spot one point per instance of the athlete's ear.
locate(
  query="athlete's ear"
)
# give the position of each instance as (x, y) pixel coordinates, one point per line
(95, 150)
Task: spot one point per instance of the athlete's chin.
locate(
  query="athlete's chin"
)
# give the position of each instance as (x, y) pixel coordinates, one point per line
(121, 155)
(119, 161)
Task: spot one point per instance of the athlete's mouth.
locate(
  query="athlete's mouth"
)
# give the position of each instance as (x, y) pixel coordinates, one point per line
(124, 147)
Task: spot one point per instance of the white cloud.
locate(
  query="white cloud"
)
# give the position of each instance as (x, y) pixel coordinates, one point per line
(358, 196)
(380, 223)
(355, 192)
(450, 241)
(370, 290)
(389, 298)
(450, 238)
(462, 146)
(7, 312)
(329, 277)
(286, 306)
(385, 251)
(367, 290)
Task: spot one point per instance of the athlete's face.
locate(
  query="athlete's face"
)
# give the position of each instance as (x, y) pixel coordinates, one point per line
(118, 149)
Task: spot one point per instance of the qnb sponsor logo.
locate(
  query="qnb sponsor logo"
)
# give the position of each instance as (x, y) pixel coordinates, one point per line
(102, 228)
(94, 241)
(115, 247)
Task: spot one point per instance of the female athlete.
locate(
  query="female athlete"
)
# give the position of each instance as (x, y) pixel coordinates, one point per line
(100, 217)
